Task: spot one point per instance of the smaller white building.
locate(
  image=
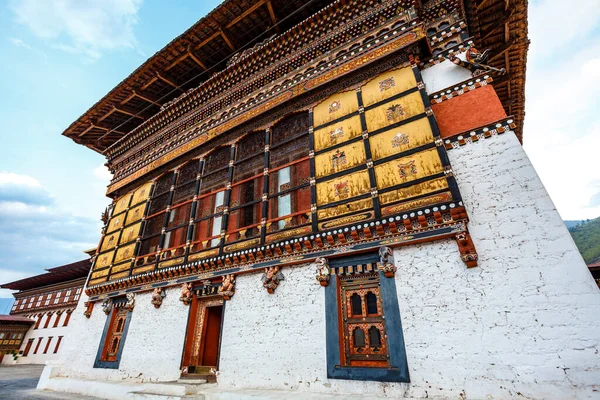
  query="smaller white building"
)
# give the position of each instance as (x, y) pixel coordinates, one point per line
(48, 299)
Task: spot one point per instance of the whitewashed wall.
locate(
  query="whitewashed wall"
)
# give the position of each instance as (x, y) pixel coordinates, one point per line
(153, 346)
(525, 322)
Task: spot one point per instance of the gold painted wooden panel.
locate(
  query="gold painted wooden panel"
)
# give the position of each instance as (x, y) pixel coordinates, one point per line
(115, 222)
(96, 281)
(394, 111)
(130, 233)
(338, 133)
(98, 274)
(334, 107)
(104, 260)
(413, 191)
(119, 275)
(388, 84)
(344, 187)
(121, 267)
(345, 208)
(171, 262)
(340, 159)
(143, 269)
(135, 214)
(109, 241)
(403, 138)
(142, 193)
(275, 237)
(203, 254)
(122, 203)
(409, 168)
(124, 252)
(334, 223)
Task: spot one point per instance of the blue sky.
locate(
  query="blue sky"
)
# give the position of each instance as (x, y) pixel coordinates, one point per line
(57, 58)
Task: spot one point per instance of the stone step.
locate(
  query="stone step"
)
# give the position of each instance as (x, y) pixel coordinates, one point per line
(158, 396)
(192, 380)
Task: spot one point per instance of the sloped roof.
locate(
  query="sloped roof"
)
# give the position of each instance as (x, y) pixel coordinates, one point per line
(64, 273)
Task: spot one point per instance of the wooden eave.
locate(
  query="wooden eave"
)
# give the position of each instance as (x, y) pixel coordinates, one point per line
(185, 63)
(68, 272)
(501, 25)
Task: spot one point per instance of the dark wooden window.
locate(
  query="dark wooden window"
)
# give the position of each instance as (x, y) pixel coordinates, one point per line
(247, 188)
(37, 323)
(114, 335)
(363, 327)
(57, 320)
(67, 318)
(57, 344)
(47, 321)
(363, 321)
(28, 347)
(47, 344)
(37, 346)
(209, 216)
(289, 174)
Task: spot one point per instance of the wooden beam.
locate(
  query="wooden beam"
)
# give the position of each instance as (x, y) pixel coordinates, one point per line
(483, 3)
(168, 81)
(128, 98)
(196, 59)
(150, 82)
(147, 98)
(502, 49)
(226, 39)
(272, 14)
(128, 113)
(205, 41)
(177, 61)
(94, 126)
(491, 28)
(245, 13)
(107, 114)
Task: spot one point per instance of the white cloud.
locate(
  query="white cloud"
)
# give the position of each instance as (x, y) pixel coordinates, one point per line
(17, 179)
(35, 233)
(86, 27)
(101, 172)
(562, 125)
(19, 43)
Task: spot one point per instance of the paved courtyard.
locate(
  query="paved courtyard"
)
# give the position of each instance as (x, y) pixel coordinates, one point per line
(18, 382)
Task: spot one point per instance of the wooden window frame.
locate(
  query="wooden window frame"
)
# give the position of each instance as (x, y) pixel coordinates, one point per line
(102, 356)
(37, 346)
(48, 344)
(57, 345)
(338, 367)
(67, 318)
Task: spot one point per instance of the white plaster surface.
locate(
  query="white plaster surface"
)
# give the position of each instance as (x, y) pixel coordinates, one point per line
(444, 75)
(524, 323)
(44, 333)
(152, 349)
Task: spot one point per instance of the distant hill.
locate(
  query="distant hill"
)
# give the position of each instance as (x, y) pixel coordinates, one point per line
(586, 235)
(574, 223)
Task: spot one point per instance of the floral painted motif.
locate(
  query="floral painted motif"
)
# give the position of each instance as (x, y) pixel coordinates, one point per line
(336, 133)
(335, 106)
(407, 168)
(399, 139)
(387, 84)
(342, 189)
(394, 112)
(338, 159)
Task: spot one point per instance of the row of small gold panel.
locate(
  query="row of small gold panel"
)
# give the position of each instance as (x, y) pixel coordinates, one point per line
(388, 141)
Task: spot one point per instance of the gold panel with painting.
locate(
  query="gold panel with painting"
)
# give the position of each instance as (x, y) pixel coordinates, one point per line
(388, 84)
(124, 252)
(334, 107)
(344, 187)
(340, 159)
(141, 194)
(130, 233)
(413, 191)
(121, 267)
(104, 260)
(119, 275)
(115, 222)
(401, 139)
(345, 208)
(337, 133)
(135, 214)
(409, 168)
(122, 203)
(99, 274)
(109, 241)
(394, 111)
